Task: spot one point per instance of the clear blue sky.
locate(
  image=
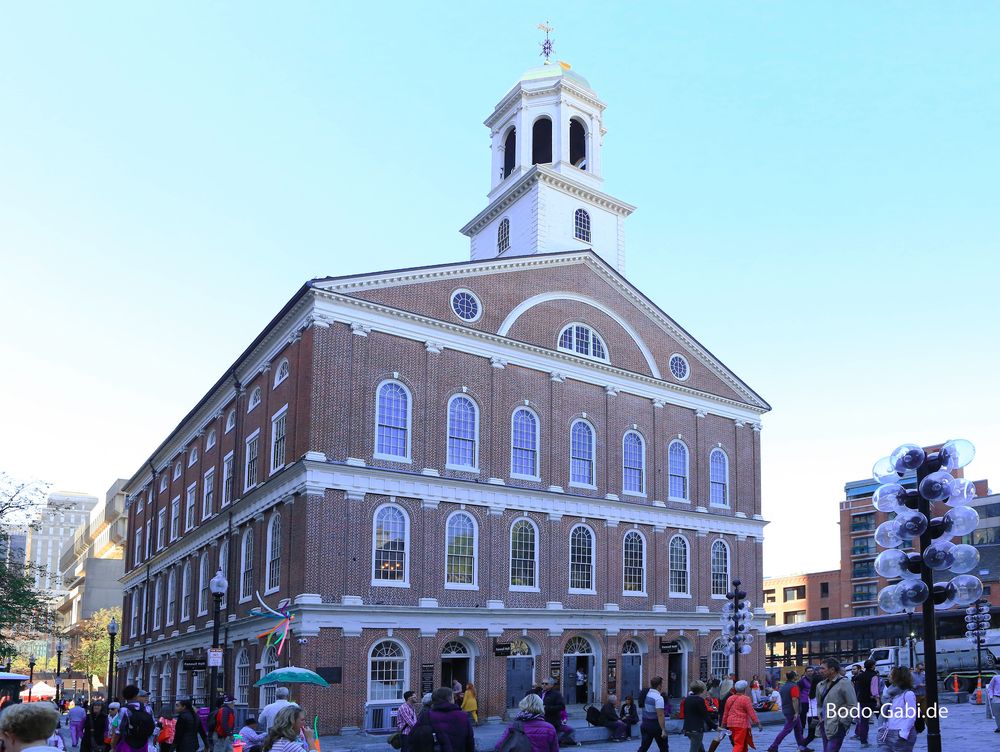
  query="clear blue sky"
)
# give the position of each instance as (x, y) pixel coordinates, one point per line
(817, 192)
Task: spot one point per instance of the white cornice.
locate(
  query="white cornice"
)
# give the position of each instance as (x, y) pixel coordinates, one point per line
(519, 91)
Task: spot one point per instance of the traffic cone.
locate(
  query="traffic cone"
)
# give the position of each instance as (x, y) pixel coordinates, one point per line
(979, 691)
(956, 684)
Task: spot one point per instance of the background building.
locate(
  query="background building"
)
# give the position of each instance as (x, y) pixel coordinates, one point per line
(800, 598)
(52, 534)
(486, 471)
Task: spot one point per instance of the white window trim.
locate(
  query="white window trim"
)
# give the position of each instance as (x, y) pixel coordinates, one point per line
(510, 550)
(246, 463)
(192, 494)
(408, 458)
(687, 472)
(687, 365)
(161, 528)
(168, 618)
(278, 378)
(593, 456)
(175, 504)
(572, 351)
(270, 455)
(230, 421)
(255, 393)
(157, 603)
(267, 554)
(642, 441)
(177, 470)
(538, 440)
(210, 440)
(405, 582)
(208, 484)
(192, 456)
(687, 563)
(163, 482)
(186, 582)
(474, 468)
(729, 568)
(368, 669)
(593, 562)
(725, 456)
(475, 553)
(223, 502)
(479, 303)
(247, 535)
(645, 572)
(206, 571)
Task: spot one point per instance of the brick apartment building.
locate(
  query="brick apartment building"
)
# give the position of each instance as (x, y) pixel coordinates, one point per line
(488, 471)
(800, 598)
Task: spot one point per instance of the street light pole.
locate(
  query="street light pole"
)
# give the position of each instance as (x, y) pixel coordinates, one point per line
(736, 618)
(977, 621)
(112, 631)
(31, 675)
(218, 585)
(59, 652)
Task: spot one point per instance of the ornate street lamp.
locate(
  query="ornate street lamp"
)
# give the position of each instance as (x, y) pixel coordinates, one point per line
(912, 508)
(977, 621)
(59, 652)
(737, 616)
(31, 675)
(112, 631)
(218, 585)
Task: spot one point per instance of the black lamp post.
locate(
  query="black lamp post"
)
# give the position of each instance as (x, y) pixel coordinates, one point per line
(31, 675)
(736, 618)
(112, 632)
(218, 585)
(59, 652)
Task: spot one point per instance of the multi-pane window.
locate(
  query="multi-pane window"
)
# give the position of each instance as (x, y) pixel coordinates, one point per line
(679, 556)
(230, 421)
(460, 550)
(465, 305)
(389, 545)
(863, 546)
(524, 444)
(282, 373)
(278, 440)
(186, 592)
(242, 678)
(634, 563)
(134, 632)
(633, 463)
(192, 456)
(145, 606)
(720, 568)
(210, 441)
(171, 596)
(149, 536)
(189, 502)
(177, 470)
(522, 555)
(721, 662)
(386, 672)
(581, 558)
(254, 399)
(137, 548)
(582, 340)
(503, 236)
(250, 479)
(163, 482)
(274, 552)
(208, 495)
(718, 465)
(227, 479)
(677, 470)
(158, 603)
(175, 517)
(861, 523)
(224, 564)
(268, 692)
(392, 422)
(246, 566)
(794, 593)
(462, 430)
(581, 453)
(203, 580)
(581, 225)
(166, 680)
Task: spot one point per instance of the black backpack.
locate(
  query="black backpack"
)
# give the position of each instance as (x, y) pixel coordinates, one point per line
(137, 726)
(594, 716)
(517, 740)
(422, 735)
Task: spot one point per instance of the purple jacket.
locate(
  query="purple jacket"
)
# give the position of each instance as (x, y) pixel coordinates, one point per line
(453, 728)
(540, 733)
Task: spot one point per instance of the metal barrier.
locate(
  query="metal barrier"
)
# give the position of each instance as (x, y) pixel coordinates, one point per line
(380, 717)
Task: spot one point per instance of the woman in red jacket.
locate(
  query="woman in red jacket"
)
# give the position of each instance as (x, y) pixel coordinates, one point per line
(739, 717)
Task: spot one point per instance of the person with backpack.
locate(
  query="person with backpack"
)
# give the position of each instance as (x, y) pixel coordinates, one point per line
(653, 726)
(899, 733)
(95, 728)
(789, 694)
(135, 724)
(529, 732)
(222, 725)
(836, 703)
(452, 726)
(187, 728)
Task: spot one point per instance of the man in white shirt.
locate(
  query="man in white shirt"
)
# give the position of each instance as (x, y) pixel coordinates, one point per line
(993, 698)
(269, 711)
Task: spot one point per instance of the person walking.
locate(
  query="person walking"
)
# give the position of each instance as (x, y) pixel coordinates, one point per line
(739, 717)
(993, 699)
(76, 716)
(95, 728)
(469, 703)
(610, 720)
(629, 715)
(697, 719)
(267, 713)
(789, 694)
(920, 690)
(165, 726)
(452, 726)
(836, 700)
(406, 718)
(132, 725)
(187, 728)
(531, 722)
(899, 733)
(222, 725)
(285, 734)
(553, 702)
(653, 724)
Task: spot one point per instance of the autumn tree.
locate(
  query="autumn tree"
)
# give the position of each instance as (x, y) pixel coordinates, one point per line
(93, 647)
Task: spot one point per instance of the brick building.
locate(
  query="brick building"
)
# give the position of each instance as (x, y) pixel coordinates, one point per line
(485, 471)
(800, 598)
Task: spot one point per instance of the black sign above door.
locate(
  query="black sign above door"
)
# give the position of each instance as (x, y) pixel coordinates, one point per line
(670, 647)
(502, 649)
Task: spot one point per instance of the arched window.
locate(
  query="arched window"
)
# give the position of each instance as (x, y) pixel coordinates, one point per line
(718, 481)
(721, 663)
(130, 676)
(210, 441)
(224, 564)
(154, 678)
(387, 672)
(580, 339)
(633, 463)
(680, 566)
(273, 574)
(541, 141)
(577, 144)
(390, 538)
(461, 545)
(134, 601)
(677, 470)
(524, 444)
(581, 454)
(230, 421)
(268, 663)
(281, 373)
(171, 597)
(523, 555)
(578, 646)
(192, 456)
(392, 422)
(463, 433)
(242, 678)
(246, 565)
(581, 559)
(186, 592)
(254, 399)
(158, 603)
(166, 684)
(182, 682)
(509, 151)
(203, 579)
(634, 563)
(145, 607)
(720, 568)
(503, 236)
(581, 225)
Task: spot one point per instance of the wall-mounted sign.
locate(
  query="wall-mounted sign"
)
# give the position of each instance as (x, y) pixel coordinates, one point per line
(670, 647)
(502, 649)
(214, 657)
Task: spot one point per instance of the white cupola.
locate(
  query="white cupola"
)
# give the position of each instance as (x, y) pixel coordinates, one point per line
(545, 175)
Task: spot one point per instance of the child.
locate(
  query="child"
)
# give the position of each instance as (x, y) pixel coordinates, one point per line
(165, 735)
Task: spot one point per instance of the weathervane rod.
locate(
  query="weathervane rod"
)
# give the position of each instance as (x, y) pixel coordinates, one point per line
(547, 44)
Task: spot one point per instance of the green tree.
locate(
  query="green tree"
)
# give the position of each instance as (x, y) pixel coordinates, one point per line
(93, 647)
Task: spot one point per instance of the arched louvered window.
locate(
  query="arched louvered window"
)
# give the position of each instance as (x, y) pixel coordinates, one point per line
(186, 592)
(242, 678)
(273, 573)
(171, 597)
(203, 579)
(268, 663)
(503, 236)
(246, 566)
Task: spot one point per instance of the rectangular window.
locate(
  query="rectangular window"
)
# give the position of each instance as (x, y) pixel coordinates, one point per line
(866, 611)
(864, 568)
(796, 593)
(227, 479)
(175, 518)
(208, 495)
(136, 558)
(863, 546)
(865, 592)
(189, 502)
(278, 439)
(824, 590)
(795, 617)
(250, 476)
(770, 596)
(161, 528)
(824, 613)
(149, 535)
(861, 523)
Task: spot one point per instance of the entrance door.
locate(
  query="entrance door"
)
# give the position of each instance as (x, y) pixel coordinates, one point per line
(520, 675)
(631, 676)
(574, 692)
(456, 664)
(675, 675)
